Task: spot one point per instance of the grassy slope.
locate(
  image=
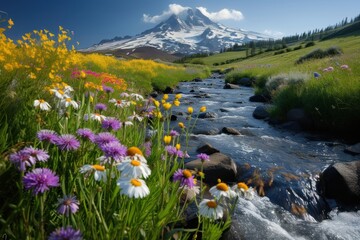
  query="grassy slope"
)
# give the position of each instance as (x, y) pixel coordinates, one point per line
(268, 62)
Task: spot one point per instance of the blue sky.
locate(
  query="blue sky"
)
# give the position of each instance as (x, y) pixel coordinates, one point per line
(94, 20)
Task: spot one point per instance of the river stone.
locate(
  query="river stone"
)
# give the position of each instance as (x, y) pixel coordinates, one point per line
(247, 82)
(230, 131)
(208, 115)
(168, 90)
(220, 166)
(258, 98)
(261, 112)
(197, 80)
(207, 148)
(231, 86)
(206, 130)
(341, 181)
(299, 115)
(154, 94)
(353, 149)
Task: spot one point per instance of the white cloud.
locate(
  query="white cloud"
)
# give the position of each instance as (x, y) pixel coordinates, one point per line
(274, 34)
(223, 14)
(173, 9)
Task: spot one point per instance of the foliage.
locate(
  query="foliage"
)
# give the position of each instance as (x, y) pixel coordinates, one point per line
(319, 53)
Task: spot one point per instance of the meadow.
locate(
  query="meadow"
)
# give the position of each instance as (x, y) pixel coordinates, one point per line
(86, 155)
(327, 88)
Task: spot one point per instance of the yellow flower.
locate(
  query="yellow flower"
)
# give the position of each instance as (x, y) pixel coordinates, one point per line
(167, 139)
(178, 96)
(190, 110)
(32, 75)
(156, 103)
(82, 74)
(181, 125)
(176, 102)
(165, 97)
(11, 23)
(167, 106)
(203, 109)
(178, 146)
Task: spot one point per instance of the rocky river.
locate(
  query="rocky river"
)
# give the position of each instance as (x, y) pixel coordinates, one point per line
(286, 163)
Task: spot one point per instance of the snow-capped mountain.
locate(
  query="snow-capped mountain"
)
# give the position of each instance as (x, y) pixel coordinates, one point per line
(186, 33)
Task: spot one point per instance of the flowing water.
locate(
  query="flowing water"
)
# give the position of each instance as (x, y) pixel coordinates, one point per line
(287, 163)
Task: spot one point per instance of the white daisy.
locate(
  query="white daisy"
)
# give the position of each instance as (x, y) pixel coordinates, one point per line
(137, 97)
(128, 123)
(99, 171)
(210, 209)
(134, 168)
(68, 101)
(222, 190)
(42, 104)
(133, 187)
(97, 116)
(124, 95)
(244, 191)
(120, 103)
(135, 116)
(59, 93)
(189, 193)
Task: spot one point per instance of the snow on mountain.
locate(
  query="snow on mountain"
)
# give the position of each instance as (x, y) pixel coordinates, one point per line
(188, 32)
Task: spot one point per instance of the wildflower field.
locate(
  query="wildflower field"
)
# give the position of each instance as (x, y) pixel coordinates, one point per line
(84, 155)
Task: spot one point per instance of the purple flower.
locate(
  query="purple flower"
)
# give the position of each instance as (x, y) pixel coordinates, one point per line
(22, 160)
(114, 150)
(37, 154)
(111, 124)
(40, 180)
(46, 135)
(317, 75)
(68, 204)
(203, 157)
(104, 138)
(100, 107)
(107, 89)
(67, 233)
(147, 146)
(86, 133)
(171, 150)
(67, 142)
(174, 133)
(185, 177)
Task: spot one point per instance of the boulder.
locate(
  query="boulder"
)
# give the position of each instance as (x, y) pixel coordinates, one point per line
(208, 115)
(261, 112)
(202, 95)
(168, 90)
(231, 86)
(247, 82)
(197, 80)
(341, 181)
(353, 149)
(230, 131)
(154, 94)
(258, 98)
(173, 117)
(206, 130)
(207, 148)
(298, 115)
(220, 166)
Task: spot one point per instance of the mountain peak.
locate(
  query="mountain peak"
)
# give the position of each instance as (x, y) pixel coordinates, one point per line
(187, 32)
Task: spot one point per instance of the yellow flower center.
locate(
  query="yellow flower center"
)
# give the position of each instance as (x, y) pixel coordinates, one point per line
(135, 163)
(41, 100)
(68, 99)
(134, 150)
(186, 173)
(118, 101)
(135, 182)
(243, 186)
(211, 204)
(222, 187)
(98, 167)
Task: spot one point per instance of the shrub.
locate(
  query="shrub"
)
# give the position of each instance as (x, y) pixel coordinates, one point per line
(279, 81)
(298, 48)
(319, 53)
(310, 44)
(279, 52)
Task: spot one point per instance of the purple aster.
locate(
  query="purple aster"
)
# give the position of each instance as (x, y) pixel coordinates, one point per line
(86, 133)
(22, 160)
(171, 150)
(104, 138)
(185, 177)
(37, 154)
(67, 142)
(111, 124)
(147, 146)
(67, 205)
(317, 75)
(100, 107)
(203, 157)
(114, 150)
(107, 89)
(46, 135)
(40, 180)
(174, 133)
(67, 233)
